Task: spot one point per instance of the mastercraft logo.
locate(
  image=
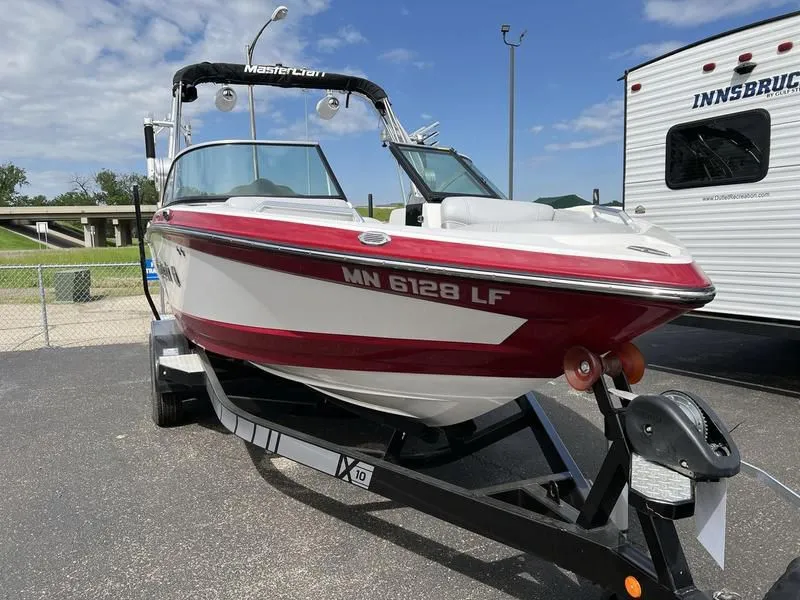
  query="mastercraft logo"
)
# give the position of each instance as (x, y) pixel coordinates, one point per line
(779, 85)
(281, 70)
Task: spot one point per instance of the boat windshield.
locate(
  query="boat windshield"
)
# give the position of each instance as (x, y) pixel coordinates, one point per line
(441, 173)
(220, 171)
(483, 177)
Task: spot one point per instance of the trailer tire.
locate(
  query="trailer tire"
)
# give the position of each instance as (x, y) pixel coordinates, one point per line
(167, 407)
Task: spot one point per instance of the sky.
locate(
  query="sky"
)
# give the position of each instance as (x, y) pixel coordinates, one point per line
(78, 76)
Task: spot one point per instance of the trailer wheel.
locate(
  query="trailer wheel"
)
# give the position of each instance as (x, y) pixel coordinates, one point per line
(167, 409)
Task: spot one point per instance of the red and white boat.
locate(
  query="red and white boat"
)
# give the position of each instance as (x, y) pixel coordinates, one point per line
(451, 309)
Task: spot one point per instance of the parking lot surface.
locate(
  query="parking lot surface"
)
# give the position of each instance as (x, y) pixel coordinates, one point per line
(97, 502)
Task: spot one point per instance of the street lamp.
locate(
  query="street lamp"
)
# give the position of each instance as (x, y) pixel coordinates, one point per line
(504, 29)
(278, 14)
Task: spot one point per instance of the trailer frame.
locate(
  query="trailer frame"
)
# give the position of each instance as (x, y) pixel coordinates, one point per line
(559, 516)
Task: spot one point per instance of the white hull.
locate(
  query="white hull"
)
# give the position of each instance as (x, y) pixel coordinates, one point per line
(439, 346)
(304, 305)
(432, 399)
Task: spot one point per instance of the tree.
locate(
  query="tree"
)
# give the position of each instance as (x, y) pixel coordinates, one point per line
(111, 188)
(104, 187)
(116, 188)
(83, 192)
(12, 177)
(38, 200)
(147, 189)
(73, 198)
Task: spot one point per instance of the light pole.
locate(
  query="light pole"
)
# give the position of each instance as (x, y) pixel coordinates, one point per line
(278, 14)
(504, 29)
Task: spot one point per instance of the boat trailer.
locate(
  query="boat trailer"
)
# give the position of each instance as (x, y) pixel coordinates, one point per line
(662, 452)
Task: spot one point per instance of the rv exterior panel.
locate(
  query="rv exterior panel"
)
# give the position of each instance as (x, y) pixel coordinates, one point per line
(712, 155)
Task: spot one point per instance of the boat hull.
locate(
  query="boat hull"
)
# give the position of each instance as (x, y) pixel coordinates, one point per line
(437, 348)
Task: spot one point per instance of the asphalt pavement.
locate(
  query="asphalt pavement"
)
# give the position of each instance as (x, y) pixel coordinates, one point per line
(97, 502)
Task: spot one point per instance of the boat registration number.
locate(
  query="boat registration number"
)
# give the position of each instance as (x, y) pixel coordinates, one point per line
(428, 288)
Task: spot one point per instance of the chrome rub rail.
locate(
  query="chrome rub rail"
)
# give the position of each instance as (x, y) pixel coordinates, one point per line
(651, 292)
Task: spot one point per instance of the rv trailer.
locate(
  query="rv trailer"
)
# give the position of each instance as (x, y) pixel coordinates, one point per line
(712, 155)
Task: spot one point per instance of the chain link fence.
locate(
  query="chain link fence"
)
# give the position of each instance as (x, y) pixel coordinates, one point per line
(73, 305)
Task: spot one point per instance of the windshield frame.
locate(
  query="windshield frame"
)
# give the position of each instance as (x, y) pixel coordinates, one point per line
(484, 179)
(223, 197)
(427, 193)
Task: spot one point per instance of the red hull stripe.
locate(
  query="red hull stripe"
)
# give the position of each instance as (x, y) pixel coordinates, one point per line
(350, 352)
(533, 351)
(518, 300)
(469, 256)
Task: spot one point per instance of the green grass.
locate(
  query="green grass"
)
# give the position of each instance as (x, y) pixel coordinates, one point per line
(104, 281)
(379, 212)
(13, 241)
(107, 281)
(72, 256)
(74, 226)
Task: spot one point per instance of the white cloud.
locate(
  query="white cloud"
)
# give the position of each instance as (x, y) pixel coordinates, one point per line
(603, 121)
(356, 119)
(329, 43)
(350, 35)
(79, 76)
(586, 143)
(603, 116)
(48, 183)
(400, 56)
(697, 12)
(345, 36)
(648, 51)
(537, 129)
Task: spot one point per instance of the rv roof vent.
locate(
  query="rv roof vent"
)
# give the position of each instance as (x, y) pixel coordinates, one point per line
(636, 87)
(708, 67)
(745, 57)
(785, 47)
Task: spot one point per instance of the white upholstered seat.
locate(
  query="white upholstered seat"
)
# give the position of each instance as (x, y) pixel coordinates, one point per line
(462, 211)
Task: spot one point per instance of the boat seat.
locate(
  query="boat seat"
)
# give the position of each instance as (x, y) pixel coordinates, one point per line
(462, 211)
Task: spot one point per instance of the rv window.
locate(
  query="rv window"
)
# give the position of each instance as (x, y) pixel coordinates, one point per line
(719, 151)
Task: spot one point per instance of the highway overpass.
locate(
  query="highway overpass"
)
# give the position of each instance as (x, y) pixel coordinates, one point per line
(93, 218)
